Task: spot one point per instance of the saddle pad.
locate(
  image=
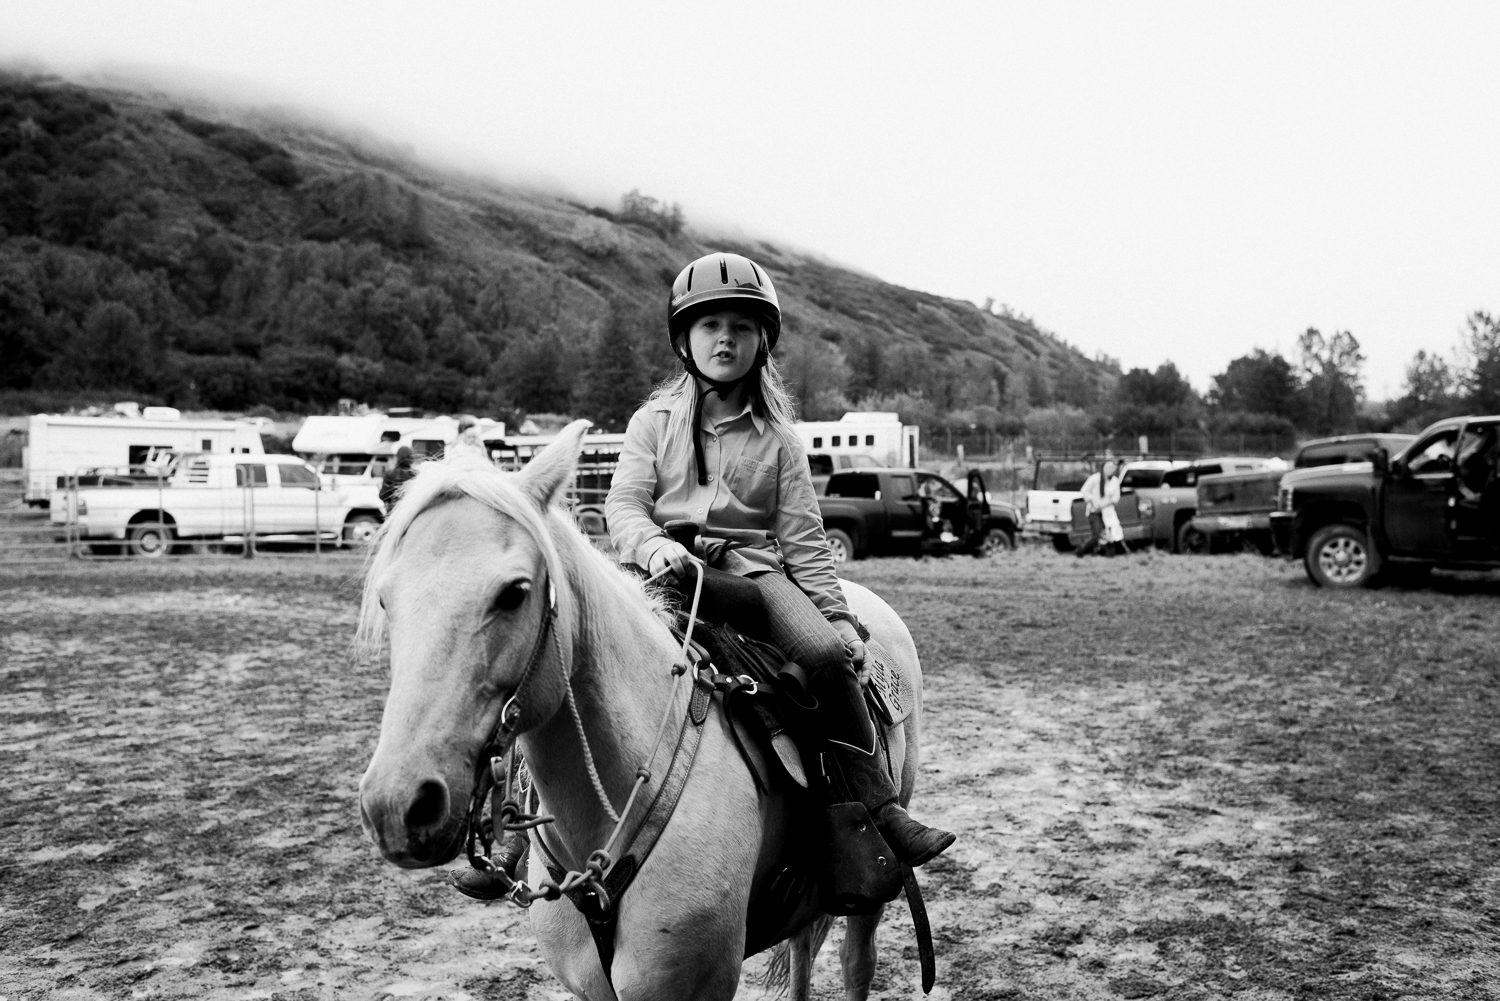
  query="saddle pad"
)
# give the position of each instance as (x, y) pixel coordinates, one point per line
(890, 689)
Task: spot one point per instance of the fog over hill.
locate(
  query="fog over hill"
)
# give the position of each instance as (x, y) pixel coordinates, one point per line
(203, 258)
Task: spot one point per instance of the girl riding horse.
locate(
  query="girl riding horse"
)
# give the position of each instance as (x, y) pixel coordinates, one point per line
(715, 445)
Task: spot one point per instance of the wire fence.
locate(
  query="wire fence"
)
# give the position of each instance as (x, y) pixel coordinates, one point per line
(135, 514)
(975, 444)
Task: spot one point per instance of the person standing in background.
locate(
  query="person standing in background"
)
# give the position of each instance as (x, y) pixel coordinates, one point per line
(390, 486)
(1109, 496)
(1101, 492)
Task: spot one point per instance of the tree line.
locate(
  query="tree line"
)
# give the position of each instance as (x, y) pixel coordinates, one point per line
(156, 255)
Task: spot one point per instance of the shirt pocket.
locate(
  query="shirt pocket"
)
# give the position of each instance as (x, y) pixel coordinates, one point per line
(753, 483)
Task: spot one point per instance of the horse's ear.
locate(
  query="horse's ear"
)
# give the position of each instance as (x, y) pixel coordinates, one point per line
(549, 475)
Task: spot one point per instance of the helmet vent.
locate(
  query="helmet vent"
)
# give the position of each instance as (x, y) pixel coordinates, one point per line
(690, 279)
(756, 271)
(723, 271)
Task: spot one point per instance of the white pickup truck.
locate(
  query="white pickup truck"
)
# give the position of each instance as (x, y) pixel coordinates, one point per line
(216, 498)
(1050, 512)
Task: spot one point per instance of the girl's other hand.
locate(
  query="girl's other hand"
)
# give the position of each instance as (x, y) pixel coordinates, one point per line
(672, 556)
(854, 645)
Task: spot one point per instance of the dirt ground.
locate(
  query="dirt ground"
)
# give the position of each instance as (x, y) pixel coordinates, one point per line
(1173, 777)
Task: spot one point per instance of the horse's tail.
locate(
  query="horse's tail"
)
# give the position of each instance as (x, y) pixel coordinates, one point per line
(778, 975)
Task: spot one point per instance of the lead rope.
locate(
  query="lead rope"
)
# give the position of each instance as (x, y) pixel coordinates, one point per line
(591, 879)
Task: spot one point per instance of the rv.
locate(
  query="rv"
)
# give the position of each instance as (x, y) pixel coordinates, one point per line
(344, 448)
(130, 445)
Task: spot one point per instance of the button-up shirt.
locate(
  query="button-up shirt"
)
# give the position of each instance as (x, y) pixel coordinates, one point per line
(1099, 493)
(759, 493)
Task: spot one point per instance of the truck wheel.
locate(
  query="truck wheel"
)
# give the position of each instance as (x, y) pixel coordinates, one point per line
(1190, 540)
(1339, 556)
(841, 545)
(150, 540)
(360, 529)
(1062, 543)
(997, 540)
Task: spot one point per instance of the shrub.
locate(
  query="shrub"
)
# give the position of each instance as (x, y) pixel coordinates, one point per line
(643, 210)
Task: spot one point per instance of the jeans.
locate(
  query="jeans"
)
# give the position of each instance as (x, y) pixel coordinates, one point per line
(798, 629)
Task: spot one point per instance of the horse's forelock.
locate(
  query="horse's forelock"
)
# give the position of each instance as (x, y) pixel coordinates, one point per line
(563, 546)
(435, 482)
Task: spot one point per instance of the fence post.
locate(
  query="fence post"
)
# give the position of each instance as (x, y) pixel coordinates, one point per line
(249, 506)
(70, 524)
(318, 519)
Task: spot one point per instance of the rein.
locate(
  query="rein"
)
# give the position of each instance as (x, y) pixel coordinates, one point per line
(495, 775)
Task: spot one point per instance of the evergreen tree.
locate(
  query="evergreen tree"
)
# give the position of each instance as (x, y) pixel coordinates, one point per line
(614, 381)
(1481, 383)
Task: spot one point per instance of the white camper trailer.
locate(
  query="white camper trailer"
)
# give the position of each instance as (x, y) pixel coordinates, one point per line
(122, 445)
(362, 447)
(877, 435)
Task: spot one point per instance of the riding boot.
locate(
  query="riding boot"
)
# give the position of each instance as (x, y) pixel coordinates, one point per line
(850, 737)
(482, 884)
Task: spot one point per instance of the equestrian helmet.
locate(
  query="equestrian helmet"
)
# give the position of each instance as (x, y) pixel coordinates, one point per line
(718, 281)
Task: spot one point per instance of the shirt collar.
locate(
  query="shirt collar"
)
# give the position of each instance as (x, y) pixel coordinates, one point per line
(755, 419)
(667, 402)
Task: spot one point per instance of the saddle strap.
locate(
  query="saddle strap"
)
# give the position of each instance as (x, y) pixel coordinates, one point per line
(602, 916)
(923, 928)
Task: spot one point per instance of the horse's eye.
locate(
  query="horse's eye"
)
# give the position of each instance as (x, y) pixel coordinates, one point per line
(510, 597)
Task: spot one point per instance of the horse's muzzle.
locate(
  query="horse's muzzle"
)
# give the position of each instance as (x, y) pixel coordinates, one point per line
(415, 825)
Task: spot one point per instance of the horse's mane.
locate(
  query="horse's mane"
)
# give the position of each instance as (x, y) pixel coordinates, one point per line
(568, 554)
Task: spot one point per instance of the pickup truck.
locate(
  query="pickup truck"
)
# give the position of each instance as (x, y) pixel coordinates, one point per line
(1162, 515)
(870, 512)
(215, 498)
(1435, 504)
(1050, 512)
(1234, 512)
(1234, 509)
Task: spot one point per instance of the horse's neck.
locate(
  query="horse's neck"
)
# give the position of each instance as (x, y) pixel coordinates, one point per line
(621, 680)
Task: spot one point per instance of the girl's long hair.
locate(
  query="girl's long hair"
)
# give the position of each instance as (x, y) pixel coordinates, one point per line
(769, 400)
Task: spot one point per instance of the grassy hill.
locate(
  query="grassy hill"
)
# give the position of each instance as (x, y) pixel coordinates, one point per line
(205, 259)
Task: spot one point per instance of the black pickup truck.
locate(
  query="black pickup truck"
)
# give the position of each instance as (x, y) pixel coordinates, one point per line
(879, 511)
(1435, 504)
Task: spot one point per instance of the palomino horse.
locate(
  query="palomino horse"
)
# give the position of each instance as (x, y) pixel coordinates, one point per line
(460, 582)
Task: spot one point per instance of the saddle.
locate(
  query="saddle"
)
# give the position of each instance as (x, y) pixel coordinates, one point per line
(832, 860)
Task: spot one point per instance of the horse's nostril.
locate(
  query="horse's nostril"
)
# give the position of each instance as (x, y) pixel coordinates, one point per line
(430, 807)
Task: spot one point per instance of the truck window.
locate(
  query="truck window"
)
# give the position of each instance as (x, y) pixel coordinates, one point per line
(426, 448)
(931, 486)
(1188, 475)
(250, 475)
(1477, 455)
(1326, 455)
(298, 476)
(863, 485)
(145, 455)
(1435, 455)
(1141, 479)
(902, 486)
(820, 465)
(351, 464)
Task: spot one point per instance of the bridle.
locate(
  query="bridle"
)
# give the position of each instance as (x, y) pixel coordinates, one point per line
(495, 773)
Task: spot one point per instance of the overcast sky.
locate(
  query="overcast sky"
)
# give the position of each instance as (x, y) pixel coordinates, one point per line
(1156, 181)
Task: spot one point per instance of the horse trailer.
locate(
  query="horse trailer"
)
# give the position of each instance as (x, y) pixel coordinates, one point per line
(129, 445)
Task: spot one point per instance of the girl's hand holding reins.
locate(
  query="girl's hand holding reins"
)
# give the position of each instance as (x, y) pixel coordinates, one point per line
(855, 646)
(672, 556)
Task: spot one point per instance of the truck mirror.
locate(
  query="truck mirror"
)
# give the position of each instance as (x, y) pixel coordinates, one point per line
(1381, 459)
